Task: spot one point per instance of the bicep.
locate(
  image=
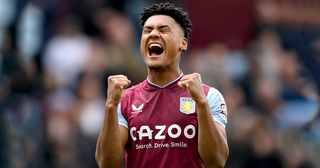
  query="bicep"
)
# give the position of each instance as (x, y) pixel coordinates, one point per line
(222, 132)
(219, 112)
(218, 108)
(123, 135)
(123, 127)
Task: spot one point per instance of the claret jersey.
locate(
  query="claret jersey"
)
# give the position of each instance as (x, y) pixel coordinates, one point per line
(162, 124)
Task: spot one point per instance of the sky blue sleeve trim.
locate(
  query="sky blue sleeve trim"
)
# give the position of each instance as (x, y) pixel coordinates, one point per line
(217, 106)
(121, 119)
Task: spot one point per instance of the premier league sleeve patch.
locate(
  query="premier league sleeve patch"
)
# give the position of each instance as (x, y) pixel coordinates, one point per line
(187, 105)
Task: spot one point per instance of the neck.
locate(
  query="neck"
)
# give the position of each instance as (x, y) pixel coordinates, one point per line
(162, 77)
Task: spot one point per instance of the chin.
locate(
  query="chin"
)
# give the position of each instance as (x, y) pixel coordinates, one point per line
(154, 67)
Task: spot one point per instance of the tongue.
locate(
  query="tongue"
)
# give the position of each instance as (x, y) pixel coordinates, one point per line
(155, 50)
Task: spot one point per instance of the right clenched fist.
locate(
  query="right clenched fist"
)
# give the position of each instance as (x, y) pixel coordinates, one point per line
(116, 85)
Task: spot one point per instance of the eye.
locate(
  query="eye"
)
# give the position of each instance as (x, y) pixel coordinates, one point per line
(164, 29)
(147, 30)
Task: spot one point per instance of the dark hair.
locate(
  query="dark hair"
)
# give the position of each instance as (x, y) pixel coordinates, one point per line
(177, 13)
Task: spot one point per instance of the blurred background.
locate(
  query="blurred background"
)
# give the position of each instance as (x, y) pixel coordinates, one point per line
(55, 56)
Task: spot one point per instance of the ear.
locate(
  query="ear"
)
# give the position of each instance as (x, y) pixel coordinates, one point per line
(184, 44)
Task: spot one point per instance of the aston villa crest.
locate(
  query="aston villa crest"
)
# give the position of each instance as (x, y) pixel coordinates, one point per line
(187, 105)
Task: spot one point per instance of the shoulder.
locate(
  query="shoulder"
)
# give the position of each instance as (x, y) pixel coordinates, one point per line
(214, 95)
(206, 88)
(217, 106)
(209, 90)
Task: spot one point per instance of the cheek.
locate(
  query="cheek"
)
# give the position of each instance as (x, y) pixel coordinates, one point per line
(142, 46)
(173, 46)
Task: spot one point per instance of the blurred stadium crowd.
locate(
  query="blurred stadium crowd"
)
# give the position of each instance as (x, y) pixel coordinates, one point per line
(55, 56)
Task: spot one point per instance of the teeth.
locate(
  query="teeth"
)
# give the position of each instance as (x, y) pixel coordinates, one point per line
(155, 45)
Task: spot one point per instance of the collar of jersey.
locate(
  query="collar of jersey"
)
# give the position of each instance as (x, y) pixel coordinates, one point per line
(168, 84)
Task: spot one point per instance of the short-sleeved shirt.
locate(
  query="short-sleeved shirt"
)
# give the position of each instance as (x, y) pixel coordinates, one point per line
(162, 124)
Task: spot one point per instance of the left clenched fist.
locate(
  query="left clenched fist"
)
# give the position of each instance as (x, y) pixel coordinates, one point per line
(194, 86)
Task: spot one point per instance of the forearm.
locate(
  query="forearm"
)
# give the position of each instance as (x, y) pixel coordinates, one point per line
(212, 143)
(109, 152)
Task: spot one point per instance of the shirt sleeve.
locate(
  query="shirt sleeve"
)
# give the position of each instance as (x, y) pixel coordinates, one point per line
(121, 120)
(218, 107)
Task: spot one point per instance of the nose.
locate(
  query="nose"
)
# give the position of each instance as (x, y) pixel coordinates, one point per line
(155, 33)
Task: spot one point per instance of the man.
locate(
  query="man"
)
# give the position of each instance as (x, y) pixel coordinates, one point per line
(170, 119)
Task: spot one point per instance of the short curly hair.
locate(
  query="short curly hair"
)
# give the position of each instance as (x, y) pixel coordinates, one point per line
(169, 9)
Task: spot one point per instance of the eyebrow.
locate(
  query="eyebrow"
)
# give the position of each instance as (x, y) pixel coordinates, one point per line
(159, 27)
(163, 26)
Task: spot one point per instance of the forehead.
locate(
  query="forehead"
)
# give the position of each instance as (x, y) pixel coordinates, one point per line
(158, 20)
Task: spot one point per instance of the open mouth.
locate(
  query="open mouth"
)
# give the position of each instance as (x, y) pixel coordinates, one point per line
(155, 49)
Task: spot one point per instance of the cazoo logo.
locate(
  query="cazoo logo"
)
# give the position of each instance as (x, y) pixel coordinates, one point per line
(160, 132)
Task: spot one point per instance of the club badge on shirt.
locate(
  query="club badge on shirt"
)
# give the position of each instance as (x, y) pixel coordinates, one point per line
(187, 105)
